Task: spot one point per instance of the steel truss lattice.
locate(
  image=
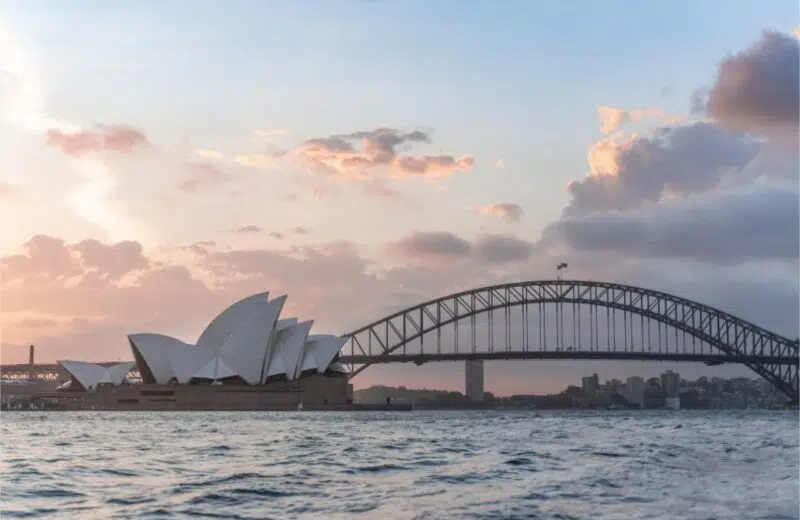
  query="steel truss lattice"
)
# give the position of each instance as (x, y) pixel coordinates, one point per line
(595, 316)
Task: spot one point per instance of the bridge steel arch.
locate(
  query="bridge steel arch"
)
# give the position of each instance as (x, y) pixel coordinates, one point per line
(731, 339)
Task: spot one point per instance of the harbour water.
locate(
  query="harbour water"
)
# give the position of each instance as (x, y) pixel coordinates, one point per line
(384, 465)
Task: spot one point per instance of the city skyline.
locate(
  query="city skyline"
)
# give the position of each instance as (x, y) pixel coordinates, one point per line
(164, 161)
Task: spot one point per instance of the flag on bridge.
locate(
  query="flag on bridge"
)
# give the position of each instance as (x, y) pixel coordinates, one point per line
(561, 266)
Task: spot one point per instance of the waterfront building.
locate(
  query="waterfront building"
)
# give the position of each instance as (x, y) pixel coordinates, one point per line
(670, 383)
(615, 385)
(634, 391)
(590, 384)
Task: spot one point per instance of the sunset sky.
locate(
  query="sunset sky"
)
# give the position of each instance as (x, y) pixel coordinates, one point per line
(161, 159)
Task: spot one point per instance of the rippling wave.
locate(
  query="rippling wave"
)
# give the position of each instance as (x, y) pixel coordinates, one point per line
(610, 464)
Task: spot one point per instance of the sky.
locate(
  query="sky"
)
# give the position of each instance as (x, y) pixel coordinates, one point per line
(161, 160)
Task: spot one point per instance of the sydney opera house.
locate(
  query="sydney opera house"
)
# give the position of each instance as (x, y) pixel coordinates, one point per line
(247, 358)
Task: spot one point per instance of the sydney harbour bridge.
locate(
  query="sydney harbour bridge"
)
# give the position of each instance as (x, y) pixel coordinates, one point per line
(558, 319)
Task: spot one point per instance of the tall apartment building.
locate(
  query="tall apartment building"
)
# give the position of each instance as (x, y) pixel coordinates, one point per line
(590, 384)
(670, 383)
(634, 390)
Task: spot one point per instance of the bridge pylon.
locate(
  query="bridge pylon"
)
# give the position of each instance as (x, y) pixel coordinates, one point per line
(473, 380)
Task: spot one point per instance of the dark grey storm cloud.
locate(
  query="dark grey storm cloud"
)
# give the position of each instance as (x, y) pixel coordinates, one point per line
(431, 245)
(497, 249)
(443, 246)
(756, 222)
(758, 89)
(681, 159)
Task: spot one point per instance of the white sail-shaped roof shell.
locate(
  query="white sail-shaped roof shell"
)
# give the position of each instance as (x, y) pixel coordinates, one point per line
(187, 360)
(245, 348)
(215, 369)
(89, 375)
(154, 350)
(273, 338)
(320, 349)
(287, 350)
(217, 332)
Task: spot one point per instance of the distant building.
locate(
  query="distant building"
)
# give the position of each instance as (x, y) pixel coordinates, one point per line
(634, 391)
(673, 403)
(473, 370)
(670, 383)
(590, 384)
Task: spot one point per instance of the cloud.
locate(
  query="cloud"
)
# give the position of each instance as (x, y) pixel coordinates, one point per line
(500, 249)
(704, 192)
(745, 224)
(280, 235)
(104, 138)
(677, 160)
(249, 229)
(506, 210)
(47, 261)
(52, 279)
(613, 118)
(24, 108)
(683, 193)
(99, 292)
(197, 176)
(442, 246)
(365, 154)
(758, 90)
(431, 245)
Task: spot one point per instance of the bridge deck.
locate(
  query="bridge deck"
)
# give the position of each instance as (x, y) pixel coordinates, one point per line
(588, 355)
(56, 372)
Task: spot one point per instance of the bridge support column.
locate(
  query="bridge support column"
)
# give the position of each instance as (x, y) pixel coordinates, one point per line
(473, 371)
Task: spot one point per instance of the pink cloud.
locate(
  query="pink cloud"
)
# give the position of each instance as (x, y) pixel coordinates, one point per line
(756, 90)
(613, 118)
(369, 154)
(506, 210)
(116, 138)
(249, 229)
